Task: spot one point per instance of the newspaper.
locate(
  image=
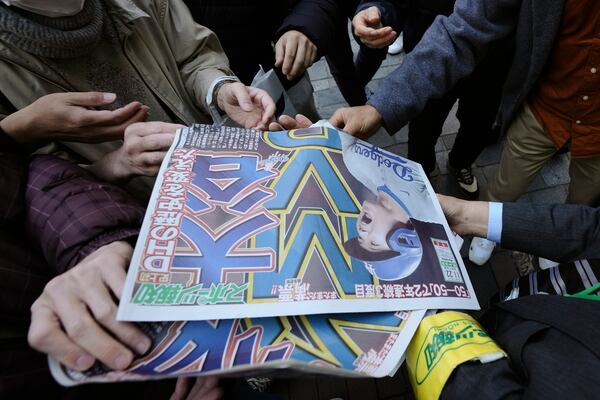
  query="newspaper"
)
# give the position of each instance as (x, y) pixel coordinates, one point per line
(247, 224)
(351, 345)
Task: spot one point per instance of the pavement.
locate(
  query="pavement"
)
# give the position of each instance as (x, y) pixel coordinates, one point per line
(549, 187)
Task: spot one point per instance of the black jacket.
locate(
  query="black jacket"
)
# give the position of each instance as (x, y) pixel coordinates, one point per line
(247, 28)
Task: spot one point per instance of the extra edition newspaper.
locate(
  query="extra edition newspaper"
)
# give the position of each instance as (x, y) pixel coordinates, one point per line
(351, 345)
(247, 224)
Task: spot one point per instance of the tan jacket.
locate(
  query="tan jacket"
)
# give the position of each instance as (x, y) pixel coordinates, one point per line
(177, 59)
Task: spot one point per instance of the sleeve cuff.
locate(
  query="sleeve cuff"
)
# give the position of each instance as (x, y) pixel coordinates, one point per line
(211, 99)
(494, 232)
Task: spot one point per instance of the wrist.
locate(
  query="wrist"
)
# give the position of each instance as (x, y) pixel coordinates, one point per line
(475, 215)
(110, 168)
(16, 129)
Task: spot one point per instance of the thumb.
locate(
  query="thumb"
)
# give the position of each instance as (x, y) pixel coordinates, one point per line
(243, 98)
(338, 119)
(372, 16)
(90, 99)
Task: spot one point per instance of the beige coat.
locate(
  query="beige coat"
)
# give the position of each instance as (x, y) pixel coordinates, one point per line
(176, 58)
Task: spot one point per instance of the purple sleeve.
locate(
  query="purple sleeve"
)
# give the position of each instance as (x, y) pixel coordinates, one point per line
(70, 213)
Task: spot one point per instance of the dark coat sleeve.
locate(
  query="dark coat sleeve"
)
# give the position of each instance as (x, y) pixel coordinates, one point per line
(70, 213)
(449, 51)
(560, 232)
(316, 19)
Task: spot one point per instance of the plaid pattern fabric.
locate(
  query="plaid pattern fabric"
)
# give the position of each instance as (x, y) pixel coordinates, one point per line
(70, 214)
(52, 214)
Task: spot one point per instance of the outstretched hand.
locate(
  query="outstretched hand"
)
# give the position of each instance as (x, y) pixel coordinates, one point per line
(72, 117)
(369, 29)
(248, 106)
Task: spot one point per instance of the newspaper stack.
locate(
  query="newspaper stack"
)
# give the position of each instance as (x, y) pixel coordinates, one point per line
(305, 250)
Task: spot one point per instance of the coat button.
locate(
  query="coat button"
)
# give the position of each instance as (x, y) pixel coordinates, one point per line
(593, 70)
(578, 122)
(585, 98)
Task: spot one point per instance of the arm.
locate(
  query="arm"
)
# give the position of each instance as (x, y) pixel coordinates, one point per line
(316, 19)
(449, 51)
(196, 49)
(70, 214)
(560, 232)
(203, 63)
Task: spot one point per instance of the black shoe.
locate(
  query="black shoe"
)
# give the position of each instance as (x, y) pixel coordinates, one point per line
(466, 181)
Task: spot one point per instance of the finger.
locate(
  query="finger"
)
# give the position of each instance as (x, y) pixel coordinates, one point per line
(242, 96)
(83, 117)
(158, 142)
(151, 128)
(279, 52)
(338, 119)
(115, 278)
(291, 47)
(46, 335)
(101, 134)
(303, 121)
(104, 310)
(384, 41)
(89, 99)
(85, 332)
(265, 102)
(274, 126)
(182, 387)
(377, 34)
(310, 56)
(288, 122)
(373, 16)
(203, 386)
(298, 64)
(152, 159)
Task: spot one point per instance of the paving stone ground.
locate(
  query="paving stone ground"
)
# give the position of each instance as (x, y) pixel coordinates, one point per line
(549, 187)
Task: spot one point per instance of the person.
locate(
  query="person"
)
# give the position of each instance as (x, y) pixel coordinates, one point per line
(352, 74)
(387, 242)
(541, 330)
(547, 98)
(478, 94)
(301, 32)
(116, 62)
(562, 232)
(393, 229)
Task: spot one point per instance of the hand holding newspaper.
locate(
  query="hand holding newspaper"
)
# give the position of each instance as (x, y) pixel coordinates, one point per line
(265, 242)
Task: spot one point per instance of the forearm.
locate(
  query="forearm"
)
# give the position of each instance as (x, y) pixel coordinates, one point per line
(560, 232)
(449, 51)
(70, 214)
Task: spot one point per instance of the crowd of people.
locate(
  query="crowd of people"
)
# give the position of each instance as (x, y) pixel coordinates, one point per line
(92, 92)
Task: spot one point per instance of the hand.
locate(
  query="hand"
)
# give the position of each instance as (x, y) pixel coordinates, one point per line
(361, 122)
(465, 217)
(68, 117)
(74, 320)
(144, 147)
(368, 28)
(294, 53)
(248, 106)
(204, 388)
(286, 122)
